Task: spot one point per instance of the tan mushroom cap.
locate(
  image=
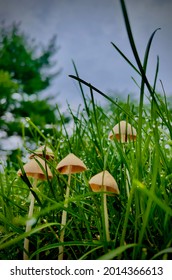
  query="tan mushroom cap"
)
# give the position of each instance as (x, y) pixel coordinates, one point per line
(40, 152)
(33, 169)
(105, 179)
(123, 132)
(71, 164)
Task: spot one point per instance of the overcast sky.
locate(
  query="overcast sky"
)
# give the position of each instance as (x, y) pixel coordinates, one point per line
(85, 29)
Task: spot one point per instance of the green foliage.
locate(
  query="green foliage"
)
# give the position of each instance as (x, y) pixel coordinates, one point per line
(24, 61)
(7, 88)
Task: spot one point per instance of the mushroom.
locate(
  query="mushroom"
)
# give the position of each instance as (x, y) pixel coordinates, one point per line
(123, 131)
(41, 151)
(69, 165)
(33, 169)
(104, 182)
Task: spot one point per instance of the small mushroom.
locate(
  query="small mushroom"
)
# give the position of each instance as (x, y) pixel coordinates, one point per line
(33, 169)
(70, 164)
(104, 182)
(41, 151)
(124, 132)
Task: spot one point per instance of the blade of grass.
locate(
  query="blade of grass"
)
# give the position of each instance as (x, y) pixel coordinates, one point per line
(103, 94)
(149, 193)
(165, 251)
(116, 252)
(126, 58)
(67, 243)
(81, 89)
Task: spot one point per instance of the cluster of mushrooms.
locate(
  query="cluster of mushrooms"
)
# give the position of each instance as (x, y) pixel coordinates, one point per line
(38, 168)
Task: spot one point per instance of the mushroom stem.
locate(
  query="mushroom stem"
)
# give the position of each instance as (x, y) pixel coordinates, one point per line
(105, 212)
(106, 217)
(28, 224)
(127, 182)
(64, 216)
(127, 177)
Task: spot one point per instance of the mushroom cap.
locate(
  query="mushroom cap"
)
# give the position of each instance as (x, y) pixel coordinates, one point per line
(33, 169)
(40, 152)
(71, 164)
(105, 179)
(123, 132)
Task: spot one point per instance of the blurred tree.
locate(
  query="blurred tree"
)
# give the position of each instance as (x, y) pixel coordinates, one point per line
(26, 62)
(7, 87)
(26, 69)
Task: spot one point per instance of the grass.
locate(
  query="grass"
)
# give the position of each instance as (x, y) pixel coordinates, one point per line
(140, 224)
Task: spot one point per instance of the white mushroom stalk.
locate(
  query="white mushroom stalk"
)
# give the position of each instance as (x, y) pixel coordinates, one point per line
(33, 169)
(29, 223)
(69, 165)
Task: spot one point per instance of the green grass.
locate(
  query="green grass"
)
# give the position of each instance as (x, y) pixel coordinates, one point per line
(140, 224)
